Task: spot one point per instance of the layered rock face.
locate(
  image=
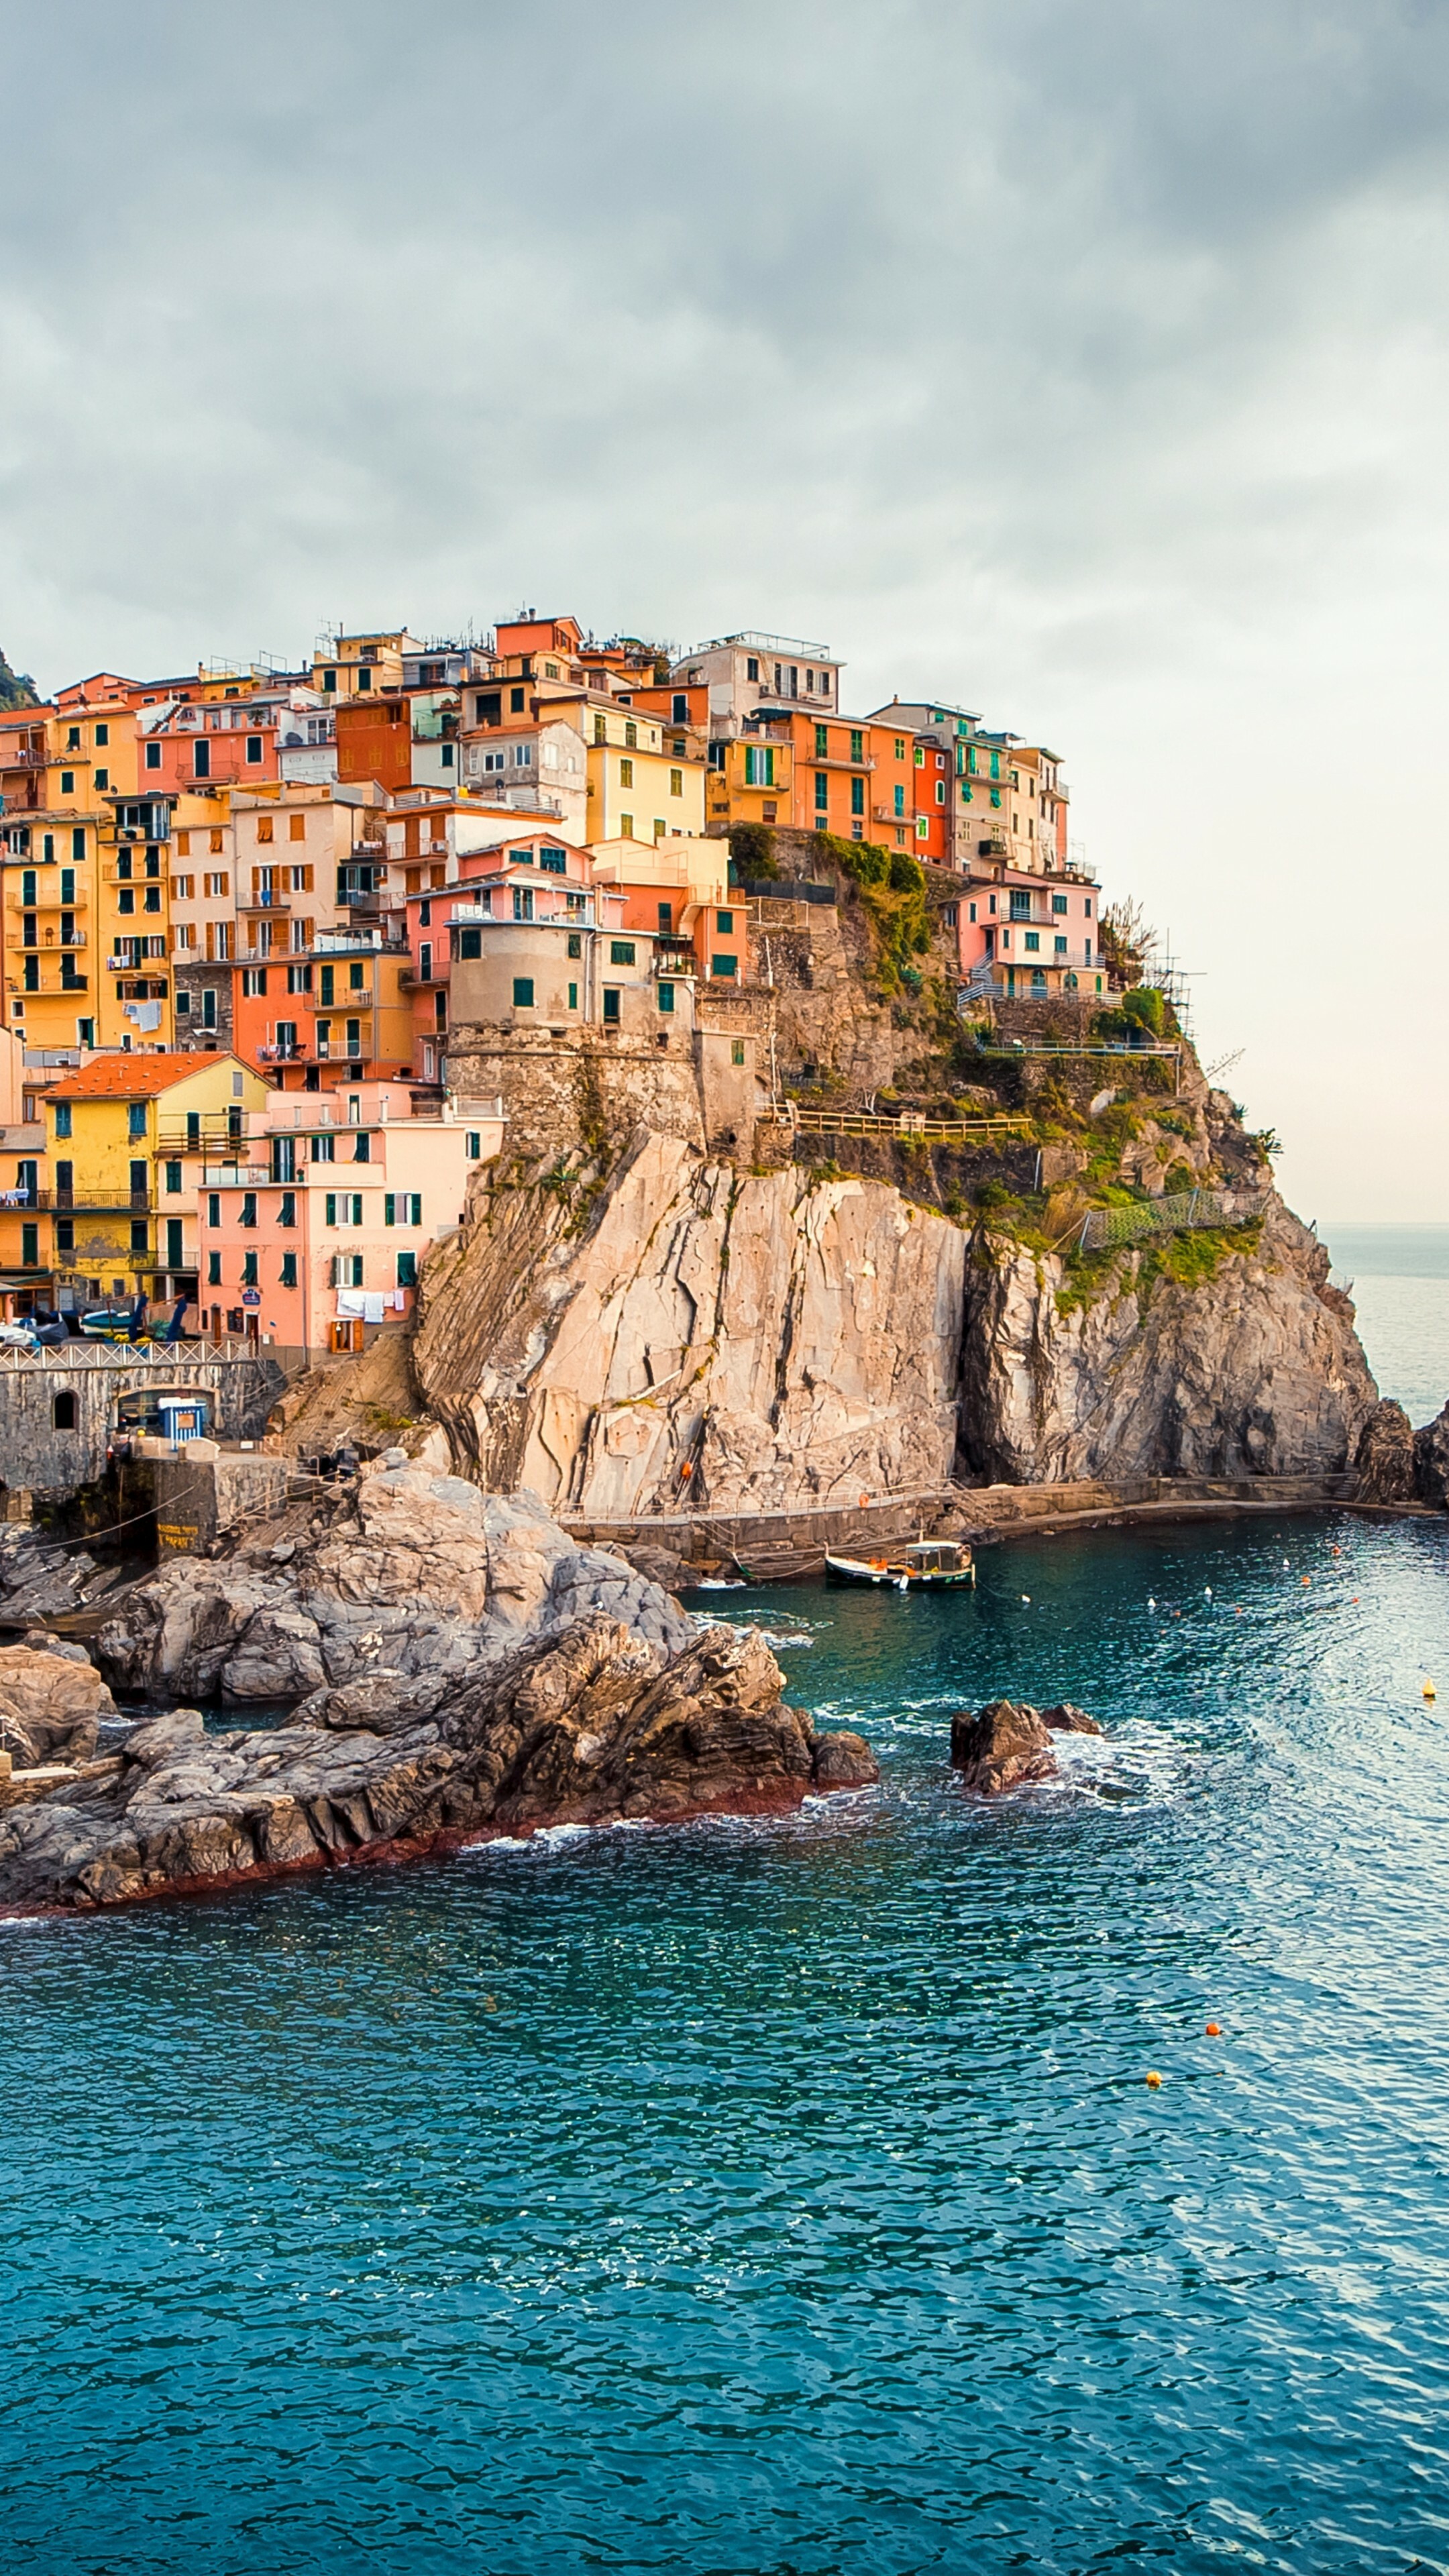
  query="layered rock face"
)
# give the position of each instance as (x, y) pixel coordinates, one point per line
(462, 1669)
(1009, 1742)
(780, 1342)
(1254, 1372)
(591, 1724)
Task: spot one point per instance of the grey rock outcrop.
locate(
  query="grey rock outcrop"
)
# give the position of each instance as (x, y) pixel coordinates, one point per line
(589, 1723)
(412, 1577)
(38, 1580)
(1431, 1461)
(1384, 1458)
(1256, 1371)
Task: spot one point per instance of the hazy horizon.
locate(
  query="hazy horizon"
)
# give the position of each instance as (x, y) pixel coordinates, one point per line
(1085, 372)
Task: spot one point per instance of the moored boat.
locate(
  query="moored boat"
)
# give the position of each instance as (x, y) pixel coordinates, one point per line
(919, 1565)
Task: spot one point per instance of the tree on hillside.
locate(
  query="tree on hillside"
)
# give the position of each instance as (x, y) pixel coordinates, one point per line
(17, 689)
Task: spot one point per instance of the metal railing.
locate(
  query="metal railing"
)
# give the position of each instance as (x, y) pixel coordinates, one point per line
(1103, 1228)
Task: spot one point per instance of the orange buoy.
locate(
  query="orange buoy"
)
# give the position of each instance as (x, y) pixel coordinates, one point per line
(1429, 1691)
(1153, 2077)
(864, 1500)
(1215, 2030)
(1308, 1578)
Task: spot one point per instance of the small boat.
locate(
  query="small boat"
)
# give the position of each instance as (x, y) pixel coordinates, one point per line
(920, 1565)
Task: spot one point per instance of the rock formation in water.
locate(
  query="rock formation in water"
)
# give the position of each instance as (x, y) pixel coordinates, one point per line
(1008, 1742)
(462, 1670)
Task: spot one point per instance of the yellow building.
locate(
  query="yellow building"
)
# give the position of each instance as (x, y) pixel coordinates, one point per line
(124, 1136)
(85, 893)
(638, 788)
(353, 666)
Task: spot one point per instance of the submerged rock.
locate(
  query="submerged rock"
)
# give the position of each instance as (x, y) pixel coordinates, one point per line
(462, 1669)
(1067, 1719)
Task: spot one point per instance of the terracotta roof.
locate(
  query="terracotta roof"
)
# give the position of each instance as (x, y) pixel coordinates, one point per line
(130, 1077)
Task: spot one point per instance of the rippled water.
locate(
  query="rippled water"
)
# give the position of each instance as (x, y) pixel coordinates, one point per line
(788, 2197)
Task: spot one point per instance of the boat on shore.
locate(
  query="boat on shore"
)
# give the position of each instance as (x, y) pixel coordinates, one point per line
(917, 1565)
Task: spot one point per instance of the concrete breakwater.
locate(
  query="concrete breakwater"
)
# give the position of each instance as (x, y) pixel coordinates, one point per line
(784, 1545)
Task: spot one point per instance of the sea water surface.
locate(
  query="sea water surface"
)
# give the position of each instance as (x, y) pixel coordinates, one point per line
(1400, 1276)
(789, 2196)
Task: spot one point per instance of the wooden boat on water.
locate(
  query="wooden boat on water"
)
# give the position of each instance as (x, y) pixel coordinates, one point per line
(918, 1565)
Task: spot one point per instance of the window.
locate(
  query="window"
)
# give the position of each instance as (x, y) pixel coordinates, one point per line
(899, 795)
(173, 1178)
(63, 1118)
(140, 1238)
(601, 730)
(299, 980)
(249, 1270)
(857, 746)
(857, 795)
(407, 1270)
(1087, 906)
(425, 962)
(324, 1151)
(576, 945)
(523, 992)
(201, 760)
(136, 1118)
(151, 899)
(362, 1147)
(1059, 903)
(254, 981)
(153, 755)
(1033, 939)
(822, 742)
(249, 1207)
(287, 1208)
(470, 943)
(996, 796)
(554, 861)
(822, 792)
(726, 967)
(213, 1270)
(679, 707)
(288, 1278)
(573, 997)
(923, 828)
(523, 903)
(626, 826)
(724, 921)
(354, 1037)
(621, 952)
(676, 782)
(356, 977)
(611, 1006)
(67, 782)
(626, 773)
(940, 791)
(62, 1411)
(264, 827)
(631, 737)
(665, 994)
(402, 1207)
(296, 827)
(759, 765)
(515, 702)
(1059, 946)
(752, 668)
(102, 780)
(30, 1247)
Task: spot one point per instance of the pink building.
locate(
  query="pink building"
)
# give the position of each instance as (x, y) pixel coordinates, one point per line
(319, 1223)
(1024, 931)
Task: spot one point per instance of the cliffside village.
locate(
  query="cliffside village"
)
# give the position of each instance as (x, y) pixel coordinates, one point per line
(265, 931)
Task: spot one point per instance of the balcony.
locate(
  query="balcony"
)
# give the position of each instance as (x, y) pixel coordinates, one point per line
(88, 1200)
(348, 1005)
(279, 901)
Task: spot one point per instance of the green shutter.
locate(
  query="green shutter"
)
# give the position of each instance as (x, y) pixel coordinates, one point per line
(387, 1210)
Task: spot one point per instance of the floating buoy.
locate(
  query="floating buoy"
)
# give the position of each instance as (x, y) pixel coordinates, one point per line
(1307, 1578)
(1429, 1691)
(1214, 2030)
(1335, 1551)
(1151, 1604)
(1026, 1596)
(1237, 1614)
(1286, 1566)
(1153, 2077)
(1207, 1592)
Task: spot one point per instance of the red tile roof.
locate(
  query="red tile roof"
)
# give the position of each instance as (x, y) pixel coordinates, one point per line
(131, 1077)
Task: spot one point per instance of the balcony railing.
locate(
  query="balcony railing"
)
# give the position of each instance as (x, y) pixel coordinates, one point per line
(83, 1201)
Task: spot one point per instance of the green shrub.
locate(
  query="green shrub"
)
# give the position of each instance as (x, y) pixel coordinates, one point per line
(752, 851)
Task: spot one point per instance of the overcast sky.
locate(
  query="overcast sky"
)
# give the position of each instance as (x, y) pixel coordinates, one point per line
(1083, 365)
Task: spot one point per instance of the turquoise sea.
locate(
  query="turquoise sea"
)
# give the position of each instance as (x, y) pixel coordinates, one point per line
(1400, 1285)
(779, 2199)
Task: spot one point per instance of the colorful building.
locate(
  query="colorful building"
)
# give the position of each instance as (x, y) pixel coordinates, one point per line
(118, 1191)
(1030, 931)
(316, 1219)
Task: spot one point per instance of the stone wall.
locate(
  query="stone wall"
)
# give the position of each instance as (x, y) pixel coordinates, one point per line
(561, 1091)
(55, 1459)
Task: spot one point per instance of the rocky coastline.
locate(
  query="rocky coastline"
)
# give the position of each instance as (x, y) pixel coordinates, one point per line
(455, 1668)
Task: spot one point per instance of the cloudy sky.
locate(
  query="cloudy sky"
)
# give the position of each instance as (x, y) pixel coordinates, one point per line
(1085, 366)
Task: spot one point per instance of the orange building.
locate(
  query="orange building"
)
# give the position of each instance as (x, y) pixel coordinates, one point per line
(816, 774)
